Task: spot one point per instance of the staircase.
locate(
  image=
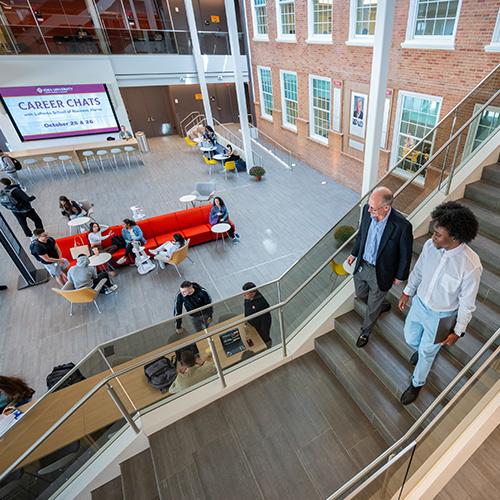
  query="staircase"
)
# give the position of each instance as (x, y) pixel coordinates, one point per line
(376, 375)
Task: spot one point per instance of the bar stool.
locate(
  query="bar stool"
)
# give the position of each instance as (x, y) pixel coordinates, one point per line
(128, 150)
(66, 158)
(49, 160)
(27, 167)
(88, 155)
(100, 154)
(115, 152)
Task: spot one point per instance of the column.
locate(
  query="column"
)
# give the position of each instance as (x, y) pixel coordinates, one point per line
(378, 86)
(200, 69)
(232, 27)
(99, 29)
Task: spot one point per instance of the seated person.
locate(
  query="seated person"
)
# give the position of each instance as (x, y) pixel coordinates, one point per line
(125, 135)
(70, 209)
(231, 155)
(47, 252)
(96, 238)
(131, 232)
(82, 275)
(190, 371)
(209, 135)
(196, 133)
(218, 214)
(13, 392)
(164, 252)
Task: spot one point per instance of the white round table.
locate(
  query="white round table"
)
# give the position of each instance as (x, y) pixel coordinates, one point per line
(220, 229)
(79, 221)
(207, 149)
(100, 259)
(221, 157)
(198, 140)
(188, 198)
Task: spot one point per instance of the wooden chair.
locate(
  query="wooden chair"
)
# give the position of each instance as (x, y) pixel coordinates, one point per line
(80, 296)
(178, 256)
(230, 166)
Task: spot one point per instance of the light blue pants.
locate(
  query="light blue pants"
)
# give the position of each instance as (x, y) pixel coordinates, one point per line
(420, 331)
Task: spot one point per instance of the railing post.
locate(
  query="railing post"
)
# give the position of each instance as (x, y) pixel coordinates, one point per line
(452, 169)
(215, 357)
(121, 407)
(280, 319)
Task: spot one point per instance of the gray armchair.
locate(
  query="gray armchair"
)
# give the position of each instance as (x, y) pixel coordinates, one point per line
(204, 191)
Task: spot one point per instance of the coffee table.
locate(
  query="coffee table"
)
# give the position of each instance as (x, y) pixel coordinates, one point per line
(79, 221)
(100, 259)
(220, 229)
(188, 198)
(221, 157)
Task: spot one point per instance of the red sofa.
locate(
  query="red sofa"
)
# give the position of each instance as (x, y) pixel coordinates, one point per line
(191, 223)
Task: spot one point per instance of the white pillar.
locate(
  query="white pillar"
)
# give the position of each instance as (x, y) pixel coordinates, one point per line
(378, 86)
(232, 27)
(198, 60)
(98, 26)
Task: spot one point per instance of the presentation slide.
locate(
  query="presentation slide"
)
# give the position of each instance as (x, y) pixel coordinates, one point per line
(49, 112)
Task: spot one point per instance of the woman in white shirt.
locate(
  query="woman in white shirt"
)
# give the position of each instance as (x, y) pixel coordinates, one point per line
(96, 238)
(164, 252)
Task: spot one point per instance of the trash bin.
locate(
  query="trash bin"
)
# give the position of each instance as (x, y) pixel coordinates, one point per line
(142, 141)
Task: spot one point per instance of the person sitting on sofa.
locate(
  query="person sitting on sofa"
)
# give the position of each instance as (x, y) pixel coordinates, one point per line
(219, 214)
(96, 238)
(82, 275)
(164, 252)
(131, 232)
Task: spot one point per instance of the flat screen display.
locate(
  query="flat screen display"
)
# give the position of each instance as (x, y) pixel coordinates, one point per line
(50, 112)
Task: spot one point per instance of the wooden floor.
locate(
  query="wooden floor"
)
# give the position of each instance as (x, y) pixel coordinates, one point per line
(278, 219)
(478, 477)
(295, 433)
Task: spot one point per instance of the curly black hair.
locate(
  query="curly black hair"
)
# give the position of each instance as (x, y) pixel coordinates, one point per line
(457, 219)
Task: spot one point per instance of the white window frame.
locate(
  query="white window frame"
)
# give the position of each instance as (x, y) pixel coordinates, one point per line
(494, 46)
(311, 36)
(285, 37)
(354, 39)
(441, 42)
(471, 135)
(284, 123)
(397, 128)
(312, 134)
(259, 37)
(263, 113)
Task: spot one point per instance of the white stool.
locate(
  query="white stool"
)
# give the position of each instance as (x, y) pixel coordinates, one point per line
(27, 166)
(63, 159)
(115, 152)
(88, 155)
(49, 160)
(100, 154)
(128, 150)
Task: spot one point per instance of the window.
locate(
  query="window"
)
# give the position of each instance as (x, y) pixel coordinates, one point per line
(482, 127)
(362, 22)
(266, 92)
(259, 19)
(417, 116)
(432, 24)
(320, 91)
(289, 99)
(286, 20)
(494, 46)
(320, 18)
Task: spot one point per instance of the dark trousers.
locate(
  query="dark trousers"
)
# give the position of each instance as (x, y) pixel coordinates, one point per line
(30, 214)
(100, 276)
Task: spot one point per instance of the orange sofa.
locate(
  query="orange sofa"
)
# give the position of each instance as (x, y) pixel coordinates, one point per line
(191, 223)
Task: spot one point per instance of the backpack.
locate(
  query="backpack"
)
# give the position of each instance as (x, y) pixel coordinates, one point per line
(16, 163)
(160, 373)
(58, 372)
(9, 202)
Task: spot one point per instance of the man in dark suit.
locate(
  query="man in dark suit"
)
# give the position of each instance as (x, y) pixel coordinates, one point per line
(382, 251)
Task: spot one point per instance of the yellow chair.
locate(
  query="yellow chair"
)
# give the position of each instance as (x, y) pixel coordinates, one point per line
(80, 296)
(178, 256)
(230, 166)
(189, 142)
(209, 162)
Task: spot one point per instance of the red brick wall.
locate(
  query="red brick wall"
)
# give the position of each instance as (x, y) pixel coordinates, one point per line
(450, 74)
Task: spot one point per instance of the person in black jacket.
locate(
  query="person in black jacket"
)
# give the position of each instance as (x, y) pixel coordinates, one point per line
(255, 302)
(192, 296)
(382, 250)
(18, 202)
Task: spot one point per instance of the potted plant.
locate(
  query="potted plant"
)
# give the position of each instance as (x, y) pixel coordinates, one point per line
(257, 172)
(342, 234)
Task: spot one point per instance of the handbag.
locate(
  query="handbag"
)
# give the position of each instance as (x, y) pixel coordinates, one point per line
(80, 248)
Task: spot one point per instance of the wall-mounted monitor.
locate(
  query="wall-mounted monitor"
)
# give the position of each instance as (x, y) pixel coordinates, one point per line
(55, 111)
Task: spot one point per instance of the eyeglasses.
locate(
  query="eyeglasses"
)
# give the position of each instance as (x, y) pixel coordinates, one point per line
(371, 209)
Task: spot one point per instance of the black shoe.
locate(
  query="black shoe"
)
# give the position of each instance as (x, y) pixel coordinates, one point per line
(410, 394)
(414, 358)
(362, 340)
(3, 287)
(385, 308)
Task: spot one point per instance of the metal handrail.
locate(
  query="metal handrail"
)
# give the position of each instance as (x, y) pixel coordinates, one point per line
(287, 151)
(270, 309)
(421, 420)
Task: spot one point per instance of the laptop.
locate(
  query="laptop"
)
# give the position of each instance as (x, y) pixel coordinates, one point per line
(231, 342)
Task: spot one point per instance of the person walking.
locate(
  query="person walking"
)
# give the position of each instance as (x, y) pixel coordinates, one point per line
(443, 284)
(382, 251)
(13, 198)
(192, 296)
(10, 166)
(254, 303)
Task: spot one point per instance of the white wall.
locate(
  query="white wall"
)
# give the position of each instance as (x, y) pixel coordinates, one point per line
(57, 70)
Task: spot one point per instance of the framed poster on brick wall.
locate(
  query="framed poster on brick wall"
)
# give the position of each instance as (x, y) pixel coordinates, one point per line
(357, 114)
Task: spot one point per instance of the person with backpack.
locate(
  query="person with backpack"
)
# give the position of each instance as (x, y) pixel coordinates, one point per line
(13, 198)
(10, 166)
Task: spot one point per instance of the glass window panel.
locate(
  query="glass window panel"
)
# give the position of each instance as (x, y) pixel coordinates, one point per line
(287, 17)
(290, 98)
(266, 91)
(436, 18)
(366, 12)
